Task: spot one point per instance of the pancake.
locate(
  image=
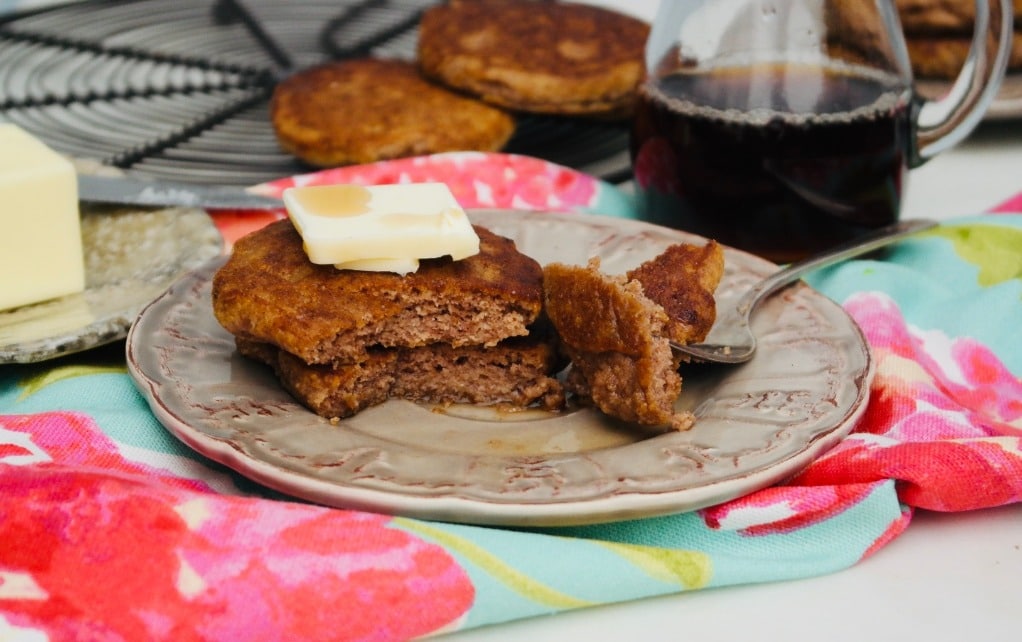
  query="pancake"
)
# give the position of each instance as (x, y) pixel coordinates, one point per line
(269, 292)
(542, 57)
(618, 337)
(942, 56)
(365, 110)
(514, 374)
(942, 16)
(617, 342)
(682, 281)
(938, 34)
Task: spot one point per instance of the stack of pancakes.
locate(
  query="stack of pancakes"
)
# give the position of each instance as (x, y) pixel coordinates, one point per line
(491, 329)
(939, 33)
(478, 62)
(342, 340)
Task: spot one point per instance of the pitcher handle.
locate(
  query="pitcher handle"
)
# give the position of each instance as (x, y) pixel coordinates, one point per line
(944, 122)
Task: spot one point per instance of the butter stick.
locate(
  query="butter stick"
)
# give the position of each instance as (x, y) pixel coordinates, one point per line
(40, 234)
(383, 227)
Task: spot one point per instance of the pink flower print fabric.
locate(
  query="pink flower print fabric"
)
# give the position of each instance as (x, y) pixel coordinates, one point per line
(98, 547)
(110, 529)
(944, 419)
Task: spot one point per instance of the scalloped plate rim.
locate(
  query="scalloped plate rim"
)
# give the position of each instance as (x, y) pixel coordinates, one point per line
(455, 508)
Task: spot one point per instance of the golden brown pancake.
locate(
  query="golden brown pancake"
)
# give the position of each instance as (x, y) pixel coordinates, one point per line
(942, 16)
(543, 57)
(682, 281)
(512, 374)
(365, 110)
(938, 34)
(618, 337)
(268, 291)
(942, 56)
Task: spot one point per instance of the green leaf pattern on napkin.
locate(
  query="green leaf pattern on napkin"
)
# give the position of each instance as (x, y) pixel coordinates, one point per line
(664, 568)
(993, 249)
(506, 574)
(35, 383)
(689, 569)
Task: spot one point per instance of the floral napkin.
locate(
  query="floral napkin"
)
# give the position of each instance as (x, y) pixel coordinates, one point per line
(111, 529)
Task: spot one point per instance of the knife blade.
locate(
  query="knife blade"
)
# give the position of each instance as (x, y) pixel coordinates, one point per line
(127, 190)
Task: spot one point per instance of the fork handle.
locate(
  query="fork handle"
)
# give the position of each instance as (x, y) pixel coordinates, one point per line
(857, 246)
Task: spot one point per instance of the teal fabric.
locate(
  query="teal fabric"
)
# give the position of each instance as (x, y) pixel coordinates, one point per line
(81, 453)
(964, 279)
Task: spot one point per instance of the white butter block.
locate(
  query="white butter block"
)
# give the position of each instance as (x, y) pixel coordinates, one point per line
(401, 266)
(382, 227)
(40, 234)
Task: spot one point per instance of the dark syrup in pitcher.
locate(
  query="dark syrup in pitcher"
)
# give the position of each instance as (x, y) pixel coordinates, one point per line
(820, 157)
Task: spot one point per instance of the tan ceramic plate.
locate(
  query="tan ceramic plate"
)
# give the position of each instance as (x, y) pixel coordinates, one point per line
(757, 423)
(131, 256)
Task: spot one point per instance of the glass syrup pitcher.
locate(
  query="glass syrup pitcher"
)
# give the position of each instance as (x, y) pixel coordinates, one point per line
(787, 127)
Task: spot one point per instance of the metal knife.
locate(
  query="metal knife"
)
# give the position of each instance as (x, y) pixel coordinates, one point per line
(146, 193)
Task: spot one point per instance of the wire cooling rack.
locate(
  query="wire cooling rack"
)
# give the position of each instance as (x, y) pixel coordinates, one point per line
(180, 90)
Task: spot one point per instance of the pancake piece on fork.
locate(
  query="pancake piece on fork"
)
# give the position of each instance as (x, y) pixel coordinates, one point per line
(617, 329)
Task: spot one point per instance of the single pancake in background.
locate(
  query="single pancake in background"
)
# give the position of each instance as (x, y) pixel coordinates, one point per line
(542, 57)
(365, 110)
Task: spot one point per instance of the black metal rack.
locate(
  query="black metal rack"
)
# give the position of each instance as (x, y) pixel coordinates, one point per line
(180, 90)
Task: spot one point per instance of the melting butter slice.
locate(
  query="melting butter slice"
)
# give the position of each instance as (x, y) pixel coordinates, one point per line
(401, 266)
(380, 228)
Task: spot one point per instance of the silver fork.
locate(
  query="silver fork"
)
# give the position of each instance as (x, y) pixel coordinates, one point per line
(733, 340)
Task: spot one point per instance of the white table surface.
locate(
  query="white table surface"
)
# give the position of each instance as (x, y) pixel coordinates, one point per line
(949, 577)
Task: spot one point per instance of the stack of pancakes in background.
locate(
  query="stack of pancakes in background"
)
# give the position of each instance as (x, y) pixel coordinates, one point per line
(939, 32)
(478, 62)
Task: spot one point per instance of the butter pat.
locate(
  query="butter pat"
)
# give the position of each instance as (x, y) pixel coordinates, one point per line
(381, 228)
(401, 266)
(40, 234)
